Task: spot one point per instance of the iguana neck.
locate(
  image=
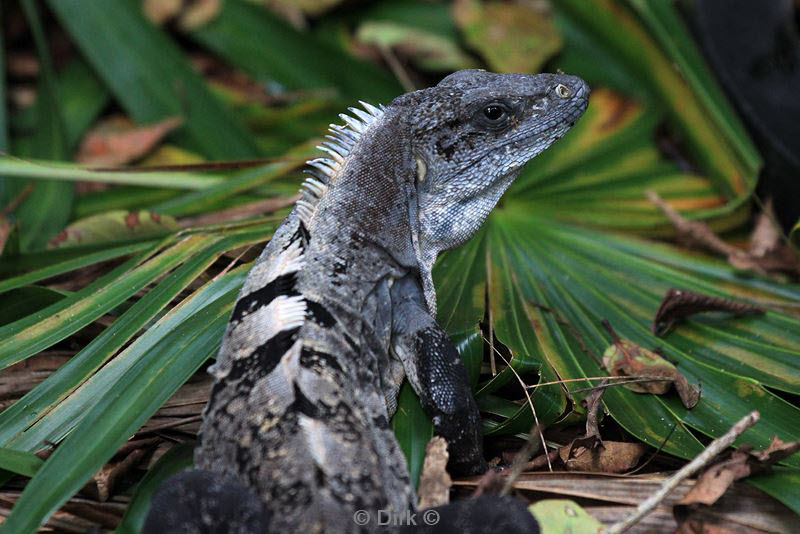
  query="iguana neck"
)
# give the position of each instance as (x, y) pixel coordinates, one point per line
(371, 192)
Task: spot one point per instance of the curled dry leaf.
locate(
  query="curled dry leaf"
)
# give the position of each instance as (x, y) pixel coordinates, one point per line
(703, 508)
(680, 303)
(117, 141)
(626, 358)
(102, 484)
(592, 403)
(435, 482)
(609, 457)
(766, 255)
(743, 462)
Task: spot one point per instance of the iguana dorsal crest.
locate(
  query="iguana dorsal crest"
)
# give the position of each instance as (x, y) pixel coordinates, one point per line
(325, 171)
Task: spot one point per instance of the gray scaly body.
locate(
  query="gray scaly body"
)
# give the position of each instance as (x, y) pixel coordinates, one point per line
(339, 308)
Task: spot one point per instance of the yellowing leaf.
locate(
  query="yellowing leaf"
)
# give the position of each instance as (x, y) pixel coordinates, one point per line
(511, 37)
(113, 226)
(558, 516)
(427, 50)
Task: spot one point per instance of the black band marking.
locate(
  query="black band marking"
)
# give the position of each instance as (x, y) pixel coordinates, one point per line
(282, 285)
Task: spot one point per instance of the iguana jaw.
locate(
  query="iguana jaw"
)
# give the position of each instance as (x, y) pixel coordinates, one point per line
(465, 161)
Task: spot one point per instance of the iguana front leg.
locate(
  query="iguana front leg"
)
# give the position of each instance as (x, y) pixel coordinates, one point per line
(434, 368)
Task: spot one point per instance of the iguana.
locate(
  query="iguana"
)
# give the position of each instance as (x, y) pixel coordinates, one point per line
(340, 306)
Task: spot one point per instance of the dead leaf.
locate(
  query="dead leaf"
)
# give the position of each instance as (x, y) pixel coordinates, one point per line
(6, 223)
(426, 50)
(717, 479)
(626, 358)
(102, 483)
(198, 13)
(777, 451)
(113, 226)
(766, 236)
(21, 64)
(699, 522)
(161, 11)
(5, 230)
(767, 253)
(434, 482)
(680, 303)
(510, 36)
(117, 141)
(309, 7)
(190, 14)
(610, 457)
(743, 462)
(592, 403)
(702, 509)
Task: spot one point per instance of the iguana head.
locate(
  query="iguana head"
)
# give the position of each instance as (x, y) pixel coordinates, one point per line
(470, 136)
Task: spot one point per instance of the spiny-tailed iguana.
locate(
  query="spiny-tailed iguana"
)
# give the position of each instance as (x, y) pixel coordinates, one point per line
(340, 307)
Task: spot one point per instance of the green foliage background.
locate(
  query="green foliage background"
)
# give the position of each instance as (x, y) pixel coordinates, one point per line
(567, 248)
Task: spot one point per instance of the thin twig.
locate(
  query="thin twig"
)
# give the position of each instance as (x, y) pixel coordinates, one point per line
(521, 460)
(710, 452)
(17, 200)
(633, 379)
(535, 417)
(542, 460)
(397, 68)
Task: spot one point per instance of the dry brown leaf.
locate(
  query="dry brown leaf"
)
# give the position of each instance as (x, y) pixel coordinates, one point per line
(743, 462)
(702, 523)
(102, 483)
(625, 358)
(5, 230)
(680, 303)
(161, 11)
(198, 13)
(700, 511)
(611, 457)
(766, 235)
(766, 255)
(117, 141)
(435, 482)
(592, 403)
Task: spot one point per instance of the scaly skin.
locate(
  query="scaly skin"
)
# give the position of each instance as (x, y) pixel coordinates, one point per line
(340, 308)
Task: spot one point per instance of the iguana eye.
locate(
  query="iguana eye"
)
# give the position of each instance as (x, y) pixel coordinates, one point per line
(563, 91)
(494, 112)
